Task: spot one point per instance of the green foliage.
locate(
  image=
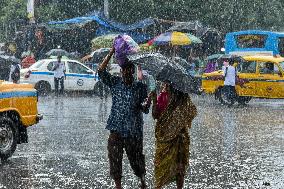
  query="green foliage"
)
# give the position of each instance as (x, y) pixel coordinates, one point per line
(45, 13)
(74, 8)
(225, 15)
(12, 10)
(12, 13)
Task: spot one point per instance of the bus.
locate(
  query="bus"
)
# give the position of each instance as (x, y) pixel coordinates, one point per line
(255, 42)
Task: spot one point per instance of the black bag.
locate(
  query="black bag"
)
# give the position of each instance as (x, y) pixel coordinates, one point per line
(15, 76)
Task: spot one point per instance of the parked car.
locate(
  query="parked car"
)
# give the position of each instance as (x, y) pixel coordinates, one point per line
(79, 77)
(18, 111)
(259, 76)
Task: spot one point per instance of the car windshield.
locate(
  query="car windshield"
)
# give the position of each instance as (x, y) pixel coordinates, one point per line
(37, 64)
(77, 68)
(251, 41)
(247, 67)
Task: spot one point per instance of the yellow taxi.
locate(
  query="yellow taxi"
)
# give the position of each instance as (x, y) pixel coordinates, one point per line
(258, 76)
(18, 110)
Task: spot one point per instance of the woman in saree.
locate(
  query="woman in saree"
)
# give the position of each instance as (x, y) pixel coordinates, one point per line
(174, 112)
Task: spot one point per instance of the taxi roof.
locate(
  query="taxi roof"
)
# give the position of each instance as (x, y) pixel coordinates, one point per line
(264, 58)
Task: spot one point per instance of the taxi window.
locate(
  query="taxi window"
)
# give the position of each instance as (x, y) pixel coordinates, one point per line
(268, 68)
(50, 65)
(276, 69)
(247, 67)
(282, 65)
(77, 68)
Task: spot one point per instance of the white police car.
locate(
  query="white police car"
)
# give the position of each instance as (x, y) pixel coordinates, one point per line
(78, 76)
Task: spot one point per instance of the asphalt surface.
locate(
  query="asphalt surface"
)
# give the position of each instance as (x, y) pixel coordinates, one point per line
(237, 147)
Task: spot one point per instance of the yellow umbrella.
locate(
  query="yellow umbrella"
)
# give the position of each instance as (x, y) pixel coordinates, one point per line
(175, 39)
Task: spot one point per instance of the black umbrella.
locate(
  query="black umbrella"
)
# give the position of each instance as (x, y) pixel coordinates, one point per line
(4, 57)
(164, 69)
(14, 60)
(151, 62)
(8, 58)
(57, 52)
(179, 79)
(99, 54)
(232, 57)
(75, 55)
(182, 62)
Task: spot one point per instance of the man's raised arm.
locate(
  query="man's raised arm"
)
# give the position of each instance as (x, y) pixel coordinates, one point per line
(106, 60)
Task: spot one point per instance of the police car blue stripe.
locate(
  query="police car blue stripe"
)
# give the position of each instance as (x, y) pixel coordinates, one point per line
(69, 74)
(12, 94)
(42, 73)
(81, 75)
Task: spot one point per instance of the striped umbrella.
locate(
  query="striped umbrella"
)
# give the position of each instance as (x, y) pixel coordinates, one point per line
(104, 41)
(175, 39)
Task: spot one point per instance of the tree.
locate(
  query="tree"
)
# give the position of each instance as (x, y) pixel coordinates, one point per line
(225, 15)
(13, 12)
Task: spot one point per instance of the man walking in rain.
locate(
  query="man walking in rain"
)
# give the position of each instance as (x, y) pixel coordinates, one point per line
(230, 73)
(59, 75)
(125, 122)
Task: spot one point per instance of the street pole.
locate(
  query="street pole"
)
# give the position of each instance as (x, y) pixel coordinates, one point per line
(30, 11)
(106, 8)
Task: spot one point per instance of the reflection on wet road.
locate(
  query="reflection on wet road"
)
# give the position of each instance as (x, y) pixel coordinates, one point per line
(239, 147)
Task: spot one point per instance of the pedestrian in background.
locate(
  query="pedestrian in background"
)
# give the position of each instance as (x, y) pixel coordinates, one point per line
(230, 73)
(15, 72)
(59, 75)
(174, 112)
(125, 121)
(28, 58)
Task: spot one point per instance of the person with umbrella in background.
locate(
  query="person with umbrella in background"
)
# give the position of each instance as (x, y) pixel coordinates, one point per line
(125, 121)
(59, 75)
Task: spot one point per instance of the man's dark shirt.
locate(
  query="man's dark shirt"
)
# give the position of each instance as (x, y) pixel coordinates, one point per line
(126, 115)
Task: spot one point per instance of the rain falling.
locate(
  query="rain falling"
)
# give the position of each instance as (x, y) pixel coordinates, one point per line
(142, 94)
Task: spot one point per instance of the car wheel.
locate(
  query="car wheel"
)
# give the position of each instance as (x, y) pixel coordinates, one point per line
(43, 88)
(8, 137)
(224, 97)
(244, 99)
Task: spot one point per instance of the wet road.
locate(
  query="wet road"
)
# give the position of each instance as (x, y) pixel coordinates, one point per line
(239, 147)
